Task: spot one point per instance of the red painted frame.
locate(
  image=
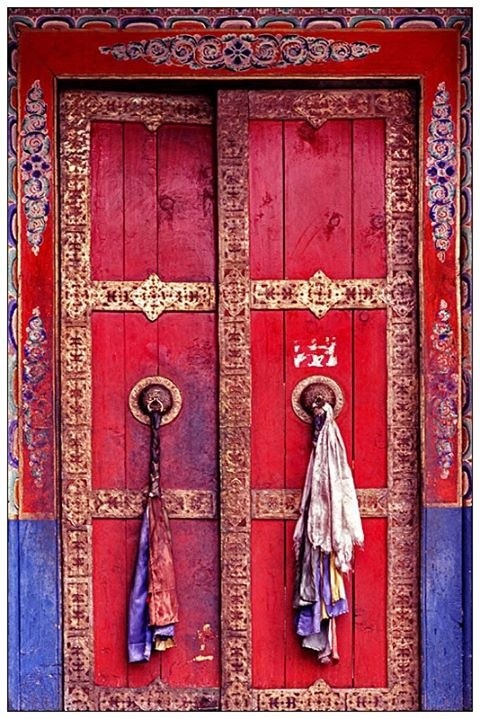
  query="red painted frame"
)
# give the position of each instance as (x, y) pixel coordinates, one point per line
(431, 57)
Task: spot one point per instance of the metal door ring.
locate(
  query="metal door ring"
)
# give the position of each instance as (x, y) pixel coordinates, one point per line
(155, 394)
(312, 390)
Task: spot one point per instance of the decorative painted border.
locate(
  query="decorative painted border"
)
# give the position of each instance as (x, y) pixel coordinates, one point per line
(239, 52)
(36, 364)
(444, 387)
(441, 172)
(36, 166)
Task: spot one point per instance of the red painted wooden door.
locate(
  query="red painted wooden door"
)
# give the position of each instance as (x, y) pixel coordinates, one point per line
(315, 192)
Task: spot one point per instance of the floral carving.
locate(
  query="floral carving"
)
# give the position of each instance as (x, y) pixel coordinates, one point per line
(441, 172)
(444, 389)
(36, 428)
(36, 166)
(239, 52)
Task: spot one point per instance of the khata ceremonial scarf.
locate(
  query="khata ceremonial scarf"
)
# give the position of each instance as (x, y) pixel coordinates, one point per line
(327, 529)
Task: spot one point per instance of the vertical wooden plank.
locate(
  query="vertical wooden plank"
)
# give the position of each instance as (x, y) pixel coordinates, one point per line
(13, 603)
(317, 199)
(108, 400)
(442, 640)
(109, 602)
(268, 403)
(467, 608)
(187, 355)
(268, 604)
(195, 660)
(370, 398)
(186, 199)
(370, 582)
(140, 210)
(40, 654)
(368, 231)
(266, 199)
(141, 337)
(107, 200)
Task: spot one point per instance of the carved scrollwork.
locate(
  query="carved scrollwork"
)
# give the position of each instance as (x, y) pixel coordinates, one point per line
(179, 503)
(285, 503)
(318, 294)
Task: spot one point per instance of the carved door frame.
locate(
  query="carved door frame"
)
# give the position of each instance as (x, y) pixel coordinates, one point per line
(45, 65)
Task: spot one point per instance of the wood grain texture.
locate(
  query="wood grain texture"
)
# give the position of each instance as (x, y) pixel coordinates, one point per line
(370, 397)
(195, 660)
(108, 400)
(368, 198)
(107, 201)
(185, 203)
(370, 606)
(442, 640)
(269, 406)
(13, 602)
(110, 591)
(317, 199)
(266, 199)
(140, 201)
(39, 620)
(270, 606)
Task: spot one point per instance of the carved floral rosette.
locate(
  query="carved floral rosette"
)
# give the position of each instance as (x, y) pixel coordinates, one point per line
(238, 52)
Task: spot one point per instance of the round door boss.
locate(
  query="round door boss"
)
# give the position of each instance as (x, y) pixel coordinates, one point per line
(312, 392)
(155, 394)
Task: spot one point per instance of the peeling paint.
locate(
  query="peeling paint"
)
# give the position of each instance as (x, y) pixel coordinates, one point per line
(204, 634)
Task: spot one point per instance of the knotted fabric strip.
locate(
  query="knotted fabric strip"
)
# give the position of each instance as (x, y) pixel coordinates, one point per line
(153, 606)
(327, 529)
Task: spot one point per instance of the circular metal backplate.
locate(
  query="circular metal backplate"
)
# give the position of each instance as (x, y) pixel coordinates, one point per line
(329, 384)
(134, 399)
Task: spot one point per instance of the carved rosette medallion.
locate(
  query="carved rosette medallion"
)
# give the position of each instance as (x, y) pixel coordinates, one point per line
(239, 52)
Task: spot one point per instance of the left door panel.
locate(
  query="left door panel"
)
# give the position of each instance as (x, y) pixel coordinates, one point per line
(138, 300)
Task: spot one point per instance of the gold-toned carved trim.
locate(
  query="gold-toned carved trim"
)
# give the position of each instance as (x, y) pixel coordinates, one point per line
(151, 110)
(235, 404)
(152, 296)
(285, 503)
(319, 106)
(320, 293)
(129, 504)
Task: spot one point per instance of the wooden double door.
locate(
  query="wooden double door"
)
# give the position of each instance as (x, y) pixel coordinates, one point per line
(236, 243)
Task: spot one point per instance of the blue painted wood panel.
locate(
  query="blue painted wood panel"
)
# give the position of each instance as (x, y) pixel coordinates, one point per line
(39, 672)
(442, 616)
(13, 656)
(467, 609)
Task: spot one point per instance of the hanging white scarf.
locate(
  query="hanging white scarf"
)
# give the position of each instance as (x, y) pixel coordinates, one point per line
(329, 507)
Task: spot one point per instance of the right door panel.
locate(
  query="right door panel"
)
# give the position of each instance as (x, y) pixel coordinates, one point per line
(332, 189)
